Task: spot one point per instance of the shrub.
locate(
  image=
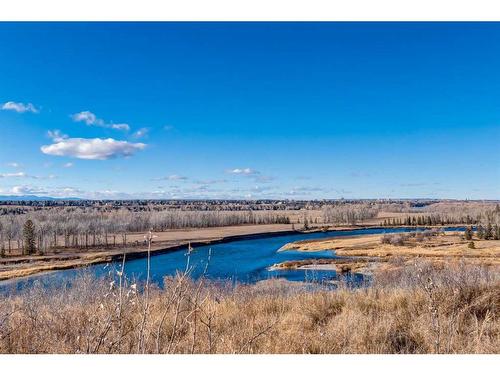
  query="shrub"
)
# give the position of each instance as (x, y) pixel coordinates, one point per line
(394, 239)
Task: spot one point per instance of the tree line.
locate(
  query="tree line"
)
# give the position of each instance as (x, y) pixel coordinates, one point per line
(88, 228)
(488, 232)
(429, 220)
(349, 213)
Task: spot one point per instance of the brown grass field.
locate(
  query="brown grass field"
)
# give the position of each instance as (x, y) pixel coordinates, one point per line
(416, 309)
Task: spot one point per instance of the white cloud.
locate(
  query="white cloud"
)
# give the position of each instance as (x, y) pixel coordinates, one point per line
(263, 179)
(92, 148)
(251, 173)
(175, 177)
(57, 192)
(68, 165)
(91, 119)
(16, 174)
(25, 175)
(172, 177)
(26, 190)
(124, 127)
(168, 127)
(243, 171)
(19, 107)
(210, 181)
(14, 165)
(87, 117)
(172, 192)
(56, 135)
(141, 133)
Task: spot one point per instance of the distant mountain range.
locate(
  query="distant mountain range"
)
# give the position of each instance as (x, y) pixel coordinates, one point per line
(34, 198)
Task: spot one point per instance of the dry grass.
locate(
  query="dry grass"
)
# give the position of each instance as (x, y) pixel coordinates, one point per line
(449, 244)
(418, 309)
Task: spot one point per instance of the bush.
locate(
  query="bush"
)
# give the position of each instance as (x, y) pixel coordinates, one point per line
(468, 233)
(471, 245)
(394, 239)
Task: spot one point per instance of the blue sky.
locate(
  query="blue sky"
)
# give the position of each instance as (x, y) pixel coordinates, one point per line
(250, 110)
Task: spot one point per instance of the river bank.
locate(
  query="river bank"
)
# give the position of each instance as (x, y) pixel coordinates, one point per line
(167, 242)
(164, 242)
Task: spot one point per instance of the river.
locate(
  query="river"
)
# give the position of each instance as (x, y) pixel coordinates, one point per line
(246, 261)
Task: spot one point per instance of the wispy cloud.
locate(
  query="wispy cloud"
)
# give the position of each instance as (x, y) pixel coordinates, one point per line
(142, 132)
(91, 119)
(24, 190)
(172, 177)
(25, 175)
(56, 192)
(92, 148)
(124, 127)
(243, 171)
(19, 107)
(68, 165)
(263, 179)
(88, 118)
(56, 135)
(210, 181)
(416, 184)
(13, 164)
(252, 173)
(16, 174)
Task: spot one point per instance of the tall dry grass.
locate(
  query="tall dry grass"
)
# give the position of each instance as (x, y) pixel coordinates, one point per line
(418, 309)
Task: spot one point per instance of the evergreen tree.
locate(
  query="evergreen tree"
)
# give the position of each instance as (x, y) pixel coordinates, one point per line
(29, 237)
(480, 232)
(488, 234)
(468, 234)
(496, 235)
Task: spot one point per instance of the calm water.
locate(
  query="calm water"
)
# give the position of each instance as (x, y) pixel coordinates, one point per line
(238, 261)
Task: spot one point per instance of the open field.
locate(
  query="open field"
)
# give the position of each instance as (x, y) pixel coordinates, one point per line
(419, 309)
